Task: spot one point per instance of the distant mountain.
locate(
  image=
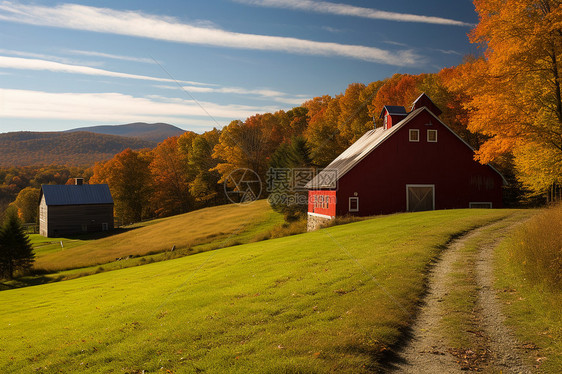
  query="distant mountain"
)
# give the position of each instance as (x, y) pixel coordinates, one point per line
(63, 148)
(155, 132)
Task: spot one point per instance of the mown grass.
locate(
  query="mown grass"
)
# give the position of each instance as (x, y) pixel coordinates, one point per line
(205, 229)
(532, 299)
(328, 301)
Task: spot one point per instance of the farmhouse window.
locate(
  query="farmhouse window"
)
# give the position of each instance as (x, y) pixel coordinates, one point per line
(432, 136)
(353, 204)
(414, 135)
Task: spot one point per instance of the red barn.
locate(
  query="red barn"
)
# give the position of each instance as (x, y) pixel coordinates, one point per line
(414, 162)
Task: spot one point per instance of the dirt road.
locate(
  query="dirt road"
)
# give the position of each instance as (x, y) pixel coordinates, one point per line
(427, 350)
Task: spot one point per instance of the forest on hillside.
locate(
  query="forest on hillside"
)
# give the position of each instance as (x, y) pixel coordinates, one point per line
(507, 104)
(62, 148)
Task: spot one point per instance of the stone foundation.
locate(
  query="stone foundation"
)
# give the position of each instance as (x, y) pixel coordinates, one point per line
(314, 222)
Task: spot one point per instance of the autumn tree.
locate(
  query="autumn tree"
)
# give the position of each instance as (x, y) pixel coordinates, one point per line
(515, 89)
(204, 178)
(169, 174)
(400, 89)
(16, 252)
(129, 180)
(27, 203)
(354, 119)
(322, 131)
(245, 145)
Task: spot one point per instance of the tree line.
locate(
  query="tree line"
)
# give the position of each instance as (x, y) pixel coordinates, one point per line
(507, 104)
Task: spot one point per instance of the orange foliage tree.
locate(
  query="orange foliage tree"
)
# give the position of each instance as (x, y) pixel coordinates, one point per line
(129, 180)
(515, 89)
(169, 171)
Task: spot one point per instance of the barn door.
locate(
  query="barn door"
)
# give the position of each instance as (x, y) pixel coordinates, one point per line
(420, 197)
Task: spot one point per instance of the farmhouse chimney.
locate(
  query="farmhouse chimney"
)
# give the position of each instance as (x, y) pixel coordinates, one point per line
(78, 181)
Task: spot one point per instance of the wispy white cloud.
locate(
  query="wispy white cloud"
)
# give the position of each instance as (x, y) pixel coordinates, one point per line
(112, 56)
(116, 107)
(404, 45)
(138, 24)
(43, 56)
(449, 52)
(354, 11)
(272, 95)
(8, 62)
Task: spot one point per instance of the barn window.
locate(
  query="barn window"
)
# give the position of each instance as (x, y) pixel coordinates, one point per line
(432, 136)
(104, 226)
(353, 204)
(480, 205)
(414, 135)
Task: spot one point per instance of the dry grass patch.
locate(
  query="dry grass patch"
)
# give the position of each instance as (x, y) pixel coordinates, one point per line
(210, 225)
(538, 248)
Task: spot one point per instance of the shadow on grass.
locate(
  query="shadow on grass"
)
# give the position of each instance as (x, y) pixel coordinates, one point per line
(28, 281)
(100, 234)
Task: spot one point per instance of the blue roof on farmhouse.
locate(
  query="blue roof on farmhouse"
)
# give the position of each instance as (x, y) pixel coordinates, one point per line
(76, 194)
(393, 110)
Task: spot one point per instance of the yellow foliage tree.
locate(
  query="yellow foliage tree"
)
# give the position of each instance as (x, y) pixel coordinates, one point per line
(515, 89)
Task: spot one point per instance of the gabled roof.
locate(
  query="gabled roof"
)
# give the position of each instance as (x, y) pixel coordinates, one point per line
(363, 147)
(424, 100)
(393, 110)
(85, 194)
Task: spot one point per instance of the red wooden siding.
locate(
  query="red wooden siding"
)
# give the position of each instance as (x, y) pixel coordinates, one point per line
(322, 202)
(380, 179)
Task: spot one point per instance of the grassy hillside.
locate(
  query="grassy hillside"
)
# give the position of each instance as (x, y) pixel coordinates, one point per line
(199, 230)
(60, 148)
(328, 301)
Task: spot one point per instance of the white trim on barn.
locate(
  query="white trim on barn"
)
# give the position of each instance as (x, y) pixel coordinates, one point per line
(473, 203)
(414, 135)
(320, 215)
(429, 138)
(352, 200)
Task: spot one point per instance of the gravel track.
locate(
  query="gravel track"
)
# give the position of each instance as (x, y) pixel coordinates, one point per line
(427, 350)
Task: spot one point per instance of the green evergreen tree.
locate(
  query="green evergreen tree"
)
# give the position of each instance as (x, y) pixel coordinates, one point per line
(16, 252)
(291, 166)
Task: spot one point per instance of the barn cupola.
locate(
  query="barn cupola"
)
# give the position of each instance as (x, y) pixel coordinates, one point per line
(424, 101)
(392, 114)
(78, 181)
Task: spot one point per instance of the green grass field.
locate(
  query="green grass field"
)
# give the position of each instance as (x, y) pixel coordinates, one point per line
(329, 301)
(238, 224)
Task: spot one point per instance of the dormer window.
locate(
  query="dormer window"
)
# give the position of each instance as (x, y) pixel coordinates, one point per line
(414, 135)
(432, 136)
(385, 122)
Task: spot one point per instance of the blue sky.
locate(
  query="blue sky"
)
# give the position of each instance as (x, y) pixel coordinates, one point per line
(202, 64)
